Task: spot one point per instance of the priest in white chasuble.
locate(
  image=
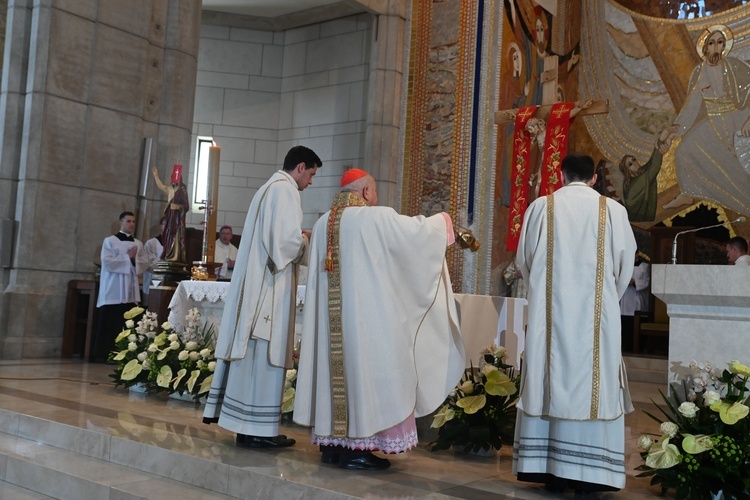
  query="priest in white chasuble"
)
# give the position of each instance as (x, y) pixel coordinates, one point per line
(380, 338)
(254, 344)
(576, 256)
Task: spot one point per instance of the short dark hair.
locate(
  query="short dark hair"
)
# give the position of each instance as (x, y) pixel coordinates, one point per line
(578, 167)
(299, 154)
(739, 243)
(226, 226)
(125, 214)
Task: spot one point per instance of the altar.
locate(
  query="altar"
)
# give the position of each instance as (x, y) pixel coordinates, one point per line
(484, 319)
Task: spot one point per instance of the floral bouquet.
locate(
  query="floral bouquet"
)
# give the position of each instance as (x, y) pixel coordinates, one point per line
(162, 359)
(479, 414)
(704, 447)
(290, 383)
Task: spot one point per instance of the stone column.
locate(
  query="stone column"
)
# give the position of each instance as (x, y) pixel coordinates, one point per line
(101, 76)
(383, 127)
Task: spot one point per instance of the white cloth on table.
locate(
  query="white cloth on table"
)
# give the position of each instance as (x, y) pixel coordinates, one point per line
(190, 294)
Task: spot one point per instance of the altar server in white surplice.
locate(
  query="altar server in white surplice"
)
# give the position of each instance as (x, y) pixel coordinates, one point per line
(256, 333)
(380, 337)
(123, 260)
(576, 255)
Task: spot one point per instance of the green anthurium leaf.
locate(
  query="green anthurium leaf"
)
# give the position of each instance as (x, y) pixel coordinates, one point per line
(663, 455)
(178, 377)
(121, 355)
(206, 384)
(164, 377)
(122, 335)
(162, 354)
(443, 415)
(287, 403)
(132, 313)
(499, 384)
(192, 380)
(697, 444)
(472, 404)
(131, 370)
(733, 413)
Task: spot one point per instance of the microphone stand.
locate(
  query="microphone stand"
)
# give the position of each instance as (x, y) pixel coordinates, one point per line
(674, 242)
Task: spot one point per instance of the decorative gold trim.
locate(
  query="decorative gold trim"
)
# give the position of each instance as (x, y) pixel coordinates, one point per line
(729, 14)
(600, 247)
(550, 263)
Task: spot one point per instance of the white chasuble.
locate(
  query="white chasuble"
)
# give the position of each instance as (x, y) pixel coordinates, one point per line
(400, 347)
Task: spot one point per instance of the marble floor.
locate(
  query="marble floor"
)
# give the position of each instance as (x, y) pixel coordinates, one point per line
(81, 398)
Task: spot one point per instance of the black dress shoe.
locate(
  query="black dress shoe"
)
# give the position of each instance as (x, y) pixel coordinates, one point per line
(264, 441)
(363, 460)
(331, 453)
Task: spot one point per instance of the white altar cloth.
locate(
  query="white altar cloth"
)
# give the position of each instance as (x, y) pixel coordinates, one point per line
(484, 319)
(207, 296)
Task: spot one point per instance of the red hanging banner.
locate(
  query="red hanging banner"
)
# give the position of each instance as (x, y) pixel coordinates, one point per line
(520, 177)
(555, 147)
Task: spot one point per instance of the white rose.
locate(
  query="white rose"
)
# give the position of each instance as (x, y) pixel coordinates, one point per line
(688, 410)
(212, 366)
(194, 356)
(174, 345)
(191, 346)
(669, 428)
(129, 324)
(183, 355)
(166, 325)
(486, 369)
(711, 397)
(206, 352)
(291, 374)
(132, 337)
(142, 356)
(645, 442)
(132, 346)
(500, 352)
(173, 337)
(467, 387)
(147, 364)
(153, 348)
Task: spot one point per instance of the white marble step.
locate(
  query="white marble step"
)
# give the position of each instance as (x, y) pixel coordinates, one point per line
(68, 462)
(55, 473)
(11, 491)
(644, 369)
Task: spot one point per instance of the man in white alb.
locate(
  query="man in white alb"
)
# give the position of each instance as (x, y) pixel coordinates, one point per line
(576, 255)
(257, 327)
(225, 252)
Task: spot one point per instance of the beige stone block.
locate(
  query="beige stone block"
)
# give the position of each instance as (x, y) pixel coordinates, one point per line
(133, 16)
(178, 89)
(119, 73)
(61, 148)
(154, 79)
(82, 8)
(183, 25)
(113, 151)
(49, 228)
(70, 45)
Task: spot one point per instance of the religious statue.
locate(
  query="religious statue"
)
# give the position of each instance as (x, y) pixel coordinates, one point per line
(714, 122)
(173, 235)
(639, 187)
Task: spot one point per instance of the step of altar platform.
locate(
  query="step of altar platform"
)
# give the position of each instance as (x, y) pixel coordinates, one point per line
(45, 459)
(647, 369)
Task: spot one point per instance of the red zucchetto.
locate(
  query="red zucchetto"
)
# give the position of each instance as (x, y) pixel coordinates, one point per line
(352, 175)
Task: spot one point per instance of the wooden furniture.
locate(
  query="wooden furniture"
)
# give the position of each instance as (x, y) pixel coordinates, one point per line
(648, 325)
(80, 318)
